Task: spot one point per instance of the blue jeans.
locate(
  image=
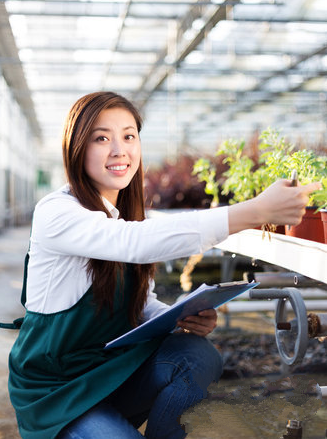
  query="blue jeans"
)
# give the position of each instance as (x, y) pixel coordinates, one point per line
(173, 379)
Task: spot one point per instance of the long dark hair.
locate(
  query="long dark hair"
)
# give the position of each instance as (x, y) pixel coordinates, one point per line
(130, 200)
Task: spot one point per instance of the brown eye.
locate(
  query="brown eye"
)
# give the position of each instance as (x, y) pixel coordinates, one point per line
(101, 139)
(129, 137)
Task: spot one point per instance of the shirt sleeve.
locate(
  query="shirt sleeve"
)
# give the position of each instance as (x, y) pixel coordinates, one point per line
(62, 225)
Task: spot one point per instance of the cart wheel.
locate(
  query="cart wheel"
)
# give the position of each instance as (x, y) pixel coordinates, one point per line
(291, 336)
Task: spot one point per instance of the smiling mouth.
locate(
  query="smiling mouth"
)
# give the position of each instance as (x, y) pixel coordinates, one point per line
(117, 168)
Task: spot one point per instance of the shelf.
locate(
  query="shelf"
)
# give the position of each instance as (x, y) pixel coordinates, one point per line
(305, 257)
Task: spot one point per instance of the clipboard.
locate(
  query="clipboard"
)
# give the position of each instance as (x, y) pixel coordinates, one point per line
(204, 297)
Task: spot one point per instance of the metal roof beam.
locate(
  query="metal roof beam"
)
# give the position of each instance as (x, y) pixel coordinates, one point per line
(219, 13)
(245, 105)
(115, 45)
(63, 90)
(64, 14)
(279, 20)
(155, 16)
(221, 91)
(150, 2)
(84, 48)
(294, 64)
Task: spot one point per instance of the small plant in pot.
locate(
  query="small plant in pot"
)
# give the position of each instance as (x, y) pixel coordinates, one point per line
(278, 161)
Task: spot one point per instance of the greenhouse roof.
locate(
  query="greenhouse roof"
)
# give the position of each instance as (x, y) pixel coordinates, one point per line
(200, 71)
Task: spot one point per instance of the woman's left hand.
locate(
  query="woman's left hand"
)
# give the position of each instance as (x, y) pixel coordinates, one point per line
(201, 324)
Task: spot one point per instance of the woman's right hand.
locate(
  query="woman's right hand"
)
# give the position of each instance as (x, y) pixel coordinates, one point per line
(280, 203)
(283, 204)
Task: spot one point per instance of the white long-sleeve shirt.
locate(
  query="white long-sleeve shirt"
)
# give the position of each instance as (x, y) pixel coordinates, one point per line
(65, 235)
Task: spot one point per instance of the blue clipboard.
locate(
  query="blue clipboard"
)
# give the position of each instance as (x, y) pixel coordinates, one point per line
(204, 297)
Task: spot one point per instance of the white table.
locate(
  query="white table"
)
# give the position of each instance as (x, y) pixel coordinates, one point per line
(302, 256)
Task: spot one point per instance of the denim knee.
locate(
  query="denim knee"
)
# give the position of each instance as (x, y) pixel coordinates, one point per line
(204, 358)
(198, 353)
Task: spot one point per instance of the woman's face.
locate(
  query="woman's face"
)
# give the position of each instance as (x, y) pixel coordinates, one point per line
(113, 152)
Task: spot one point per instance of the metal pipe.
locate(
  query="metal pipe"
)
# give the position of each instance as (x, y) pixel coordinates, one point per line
(306, 293)
(281, 279)
(239, 306)
(323, 390)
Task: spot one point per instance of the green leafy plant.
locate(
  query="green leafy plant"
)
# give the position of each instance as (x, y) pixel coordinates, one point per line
(240, 178)
(279, 159)
(206, 172)
(273, 160)
(319, 198)
(244, 179)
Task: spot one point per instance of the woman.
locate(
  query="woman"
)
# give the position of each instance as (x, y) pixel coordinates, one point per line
(89, 280)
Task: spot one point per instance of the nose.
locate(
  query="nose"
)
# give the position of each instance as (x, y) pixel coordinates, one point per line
(117, 148)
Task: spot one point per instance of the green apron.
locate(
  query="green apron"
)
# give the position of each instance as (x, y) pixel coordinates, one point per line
(58, 368)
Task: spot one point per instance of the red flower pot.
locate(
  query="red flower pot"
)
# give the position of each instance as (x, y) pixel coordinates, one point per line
(280, 230)
(323, 214)
(311, 226)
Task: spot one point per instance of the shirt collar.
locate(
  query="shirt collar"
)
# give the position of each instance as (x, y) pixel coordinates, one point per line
(114, 212)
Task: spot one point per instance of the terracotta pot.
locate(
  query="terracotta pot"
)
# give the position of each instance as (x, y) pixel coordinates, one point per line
(323, 214)
(280, 230)
(310, 228)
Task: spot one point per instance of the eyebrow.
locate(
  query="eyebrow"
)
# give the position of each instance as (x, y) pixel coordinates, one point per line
(108, 129)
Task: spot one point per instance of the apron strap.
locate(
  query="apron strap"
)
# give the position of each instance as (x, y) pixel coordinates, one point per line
(17, 323)
(23, 296)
